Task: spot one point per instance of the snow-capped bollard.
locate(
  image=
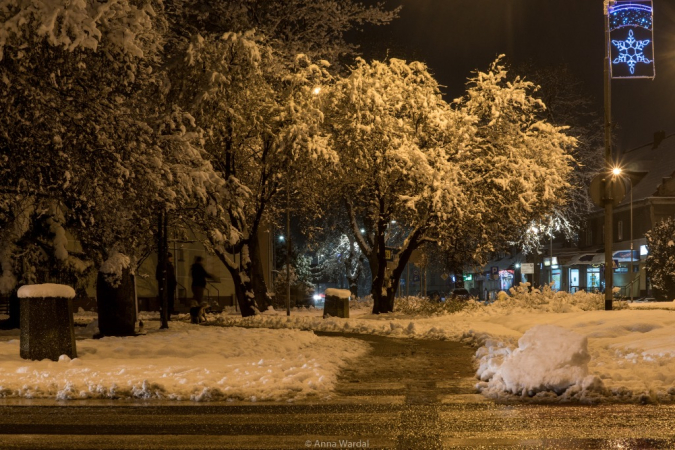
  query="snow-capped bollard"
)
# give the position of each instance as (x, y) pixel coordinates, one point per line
(47, 321)
(337, 303)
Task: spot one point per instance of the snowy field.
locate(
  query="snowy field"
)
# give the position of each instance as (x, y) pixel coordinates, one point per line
(186, 362)
(545, 347)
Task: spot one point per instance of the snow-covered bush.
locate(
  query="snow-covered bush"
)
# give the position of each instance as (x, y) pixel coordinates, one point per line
(548, 300)
(518, 298)
(361, 303)
(420, 306)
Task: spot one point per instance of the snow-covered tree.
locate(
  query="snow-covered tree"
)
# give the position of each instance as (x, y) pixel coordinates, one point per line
(315, 28)
(262, 123)
(464, 176)
(338, 256)
(660, 264)
(254, 94)
(522, 163)
(567, 104)
(394, 133)
(85, 144)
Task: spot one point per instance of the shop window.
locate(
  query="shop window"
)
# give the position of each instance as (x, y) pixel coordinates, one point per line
(593, 278)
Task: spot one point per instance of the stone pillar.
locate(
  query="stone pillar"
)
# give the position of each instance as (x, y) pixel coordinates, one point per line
(337, 303)
(47, 321)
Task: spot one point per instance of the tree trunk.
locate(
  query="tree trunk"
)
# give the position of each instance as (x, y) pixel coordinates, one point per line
(262, 299)
(353, 270)
(380, 303)
(241, 289)
(243, 286)
(354, 286)
(383, 302)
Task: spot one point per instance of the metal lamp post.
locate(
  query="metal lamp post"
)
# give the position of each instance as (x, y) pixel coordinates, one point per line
(618, 171)
(607, 183)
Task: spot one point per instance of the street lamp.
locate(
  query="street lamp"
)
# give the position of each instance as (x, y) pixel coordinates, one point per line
(617, 171)
(607, 185)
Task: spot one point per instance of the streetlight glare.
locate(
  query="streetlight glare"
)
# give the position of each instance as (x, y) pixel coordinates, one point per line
(617, 171)
(316, 90)
(281, 238)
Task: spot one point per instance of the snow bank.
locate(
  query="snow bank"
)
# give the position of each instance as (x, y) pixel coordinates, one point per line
(187, 362)
(46, 290)
(548, 359)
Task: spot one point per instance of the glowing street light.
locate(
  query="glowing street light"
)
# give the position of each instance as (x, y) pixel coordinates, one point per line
(617, 171)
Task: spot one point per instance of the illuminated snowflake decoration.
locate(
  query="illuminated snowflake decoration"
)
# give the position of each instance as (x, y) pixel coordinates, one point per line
(631, 51)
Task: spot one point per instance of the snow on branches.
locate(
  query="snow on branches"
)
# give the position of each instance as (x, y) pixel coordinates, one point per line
(74, 24)
(520, 164)
(463, 175)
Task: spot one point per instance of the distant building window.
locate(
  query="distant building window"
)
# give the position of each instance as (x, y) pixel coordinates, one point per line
(620, 230)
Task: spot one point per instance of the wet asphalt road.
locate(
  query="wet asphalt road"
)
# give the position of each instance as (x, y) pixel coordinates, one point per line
(407, 394)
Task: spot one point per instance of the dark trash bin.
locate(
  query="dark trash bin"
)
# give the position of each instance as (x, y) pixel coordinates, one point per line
(337, 303)
(116, 305)
(47, 321)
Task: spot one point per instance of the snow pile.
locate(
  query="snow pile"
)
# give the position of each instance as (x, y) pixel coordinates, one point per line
(339, 293)
(548, 359)
(187, 362)
(114, 266)
(522, 298)
(46, 290)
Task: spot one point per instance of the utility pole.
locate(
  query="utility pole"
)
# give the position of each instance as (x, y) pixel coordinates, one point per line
(607, 181)
(630, 278)
(288, 251)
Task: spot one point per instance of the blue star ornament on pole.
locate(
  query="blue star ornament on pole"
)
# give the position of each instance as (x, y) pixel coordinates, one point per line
(631, 51)
(632, 36)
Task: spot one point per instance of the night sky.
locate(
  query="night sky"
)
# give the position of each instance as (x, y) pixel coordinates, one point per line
(455, 37)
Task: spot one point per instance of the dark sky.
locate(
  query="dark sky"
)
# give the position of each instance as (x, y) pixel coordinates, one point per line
(455, 37)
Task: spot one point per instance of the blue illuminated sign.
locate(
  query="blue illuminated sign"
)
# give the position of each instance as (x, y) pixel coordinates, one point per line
(632, 36)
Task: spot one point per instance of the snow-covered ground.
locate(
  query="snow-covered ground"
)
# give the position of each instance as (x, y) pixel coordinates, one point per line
(186, 362)
(535, 347)
(531, 347)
